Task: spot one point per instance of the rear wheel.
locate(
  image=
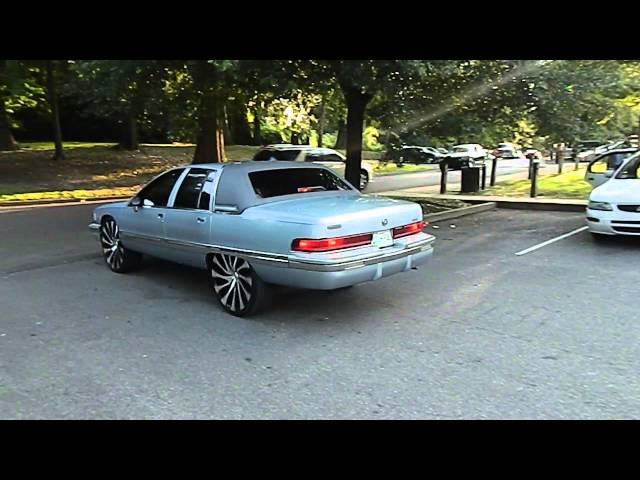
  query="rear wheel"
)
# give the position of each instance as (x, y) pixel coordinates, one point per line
(364, 179)
(119, 258)
(240, 291)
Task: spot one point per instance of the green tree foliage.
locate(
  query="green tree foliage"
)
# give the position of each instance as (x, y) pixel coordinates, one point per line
(123, 89)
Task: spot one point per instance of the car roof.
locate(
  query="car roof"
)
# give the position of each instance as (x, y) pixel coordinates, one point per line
(235, 188)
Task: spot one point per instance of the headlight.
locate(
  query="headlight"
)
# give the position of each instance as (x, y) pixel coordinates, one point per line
(606, 206)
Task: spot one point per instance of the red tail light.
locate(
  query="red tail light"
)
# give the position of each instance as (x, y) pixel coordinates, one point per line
(410, 229)
(329, 244)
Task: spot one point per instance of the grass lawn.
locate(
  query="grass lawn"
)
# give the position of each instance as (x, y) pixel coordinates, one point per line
(93, 170)
(570, 184)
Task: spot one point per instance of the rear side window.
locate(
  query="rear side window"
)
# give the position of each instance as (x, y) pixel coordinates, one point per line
(287, 181)
(284, 155)
(189, 194)
(159, 190)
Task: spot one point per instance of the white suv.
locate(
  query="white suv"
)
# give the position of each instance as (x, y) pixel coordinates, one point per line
(324, 156)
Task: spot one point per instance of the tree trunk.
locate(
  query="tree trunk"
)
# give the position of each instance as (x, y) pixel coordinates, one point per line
(55, 112)
(356, 106)
(129, 139)
(295, 138)
(341, 141)
(320, 130)
(210, 145)
(7, 142)
(229, 132)
(238, 123)
(257, 136)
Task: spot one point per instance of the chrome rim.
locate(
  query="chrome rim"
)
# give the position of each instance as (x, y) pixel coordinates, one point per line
(232, 281)
(111, 247)
(363, 181)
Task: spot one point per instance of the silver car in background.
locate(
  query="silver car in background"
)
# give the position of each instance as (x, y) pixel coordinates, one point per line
(251, 224)
(323, 156)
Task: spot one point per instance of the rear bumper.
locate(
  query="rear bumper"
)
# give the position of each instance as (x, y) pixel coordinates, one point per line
(332, 275)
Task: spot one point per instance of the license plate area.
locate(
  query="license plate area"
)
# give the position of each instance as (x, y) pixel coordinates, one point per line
(382, 239)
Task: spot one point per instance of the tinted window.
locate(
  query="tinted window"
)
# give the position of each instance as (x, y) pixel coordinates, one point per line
(189, 193)
(332, 157)
(286, 181)
(277, 155)
(158, 191)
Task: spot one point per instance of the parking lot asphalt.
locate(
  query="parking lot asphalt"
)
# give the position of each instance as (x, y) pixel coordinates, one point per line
(477, 333)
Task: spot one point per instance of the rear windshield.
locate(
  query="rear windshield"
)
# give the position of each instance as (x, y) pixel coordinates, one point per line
(287, 181)
(285, 155)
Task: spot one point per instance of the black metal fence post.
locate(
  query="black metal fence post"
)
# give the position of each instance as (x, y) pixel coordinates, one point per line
(484, 176)
(494, 167)
(534, 179)
(443, 177)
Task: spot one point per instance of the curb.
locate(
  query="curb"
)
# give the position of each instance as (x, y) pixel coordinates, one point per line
(459, 212)
(515, 203)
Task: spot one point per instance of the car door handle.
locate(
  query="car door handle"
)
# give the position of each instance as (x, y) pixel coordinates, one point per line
(200, 220)
(161, 216)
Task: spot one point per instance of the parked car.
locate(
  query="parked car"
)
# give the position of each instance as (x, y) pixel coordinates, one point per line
(443, 151)
(614, 203)
(601, 168)
(466, 155)
(251, 224)
(580, 148)
(303, 153)
(506, 150)
(417, 155)
(532, 154)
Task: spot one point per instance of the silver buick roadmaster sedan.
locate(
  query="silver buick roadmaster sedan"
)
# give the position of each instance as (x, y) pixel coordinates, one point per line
(251, 224)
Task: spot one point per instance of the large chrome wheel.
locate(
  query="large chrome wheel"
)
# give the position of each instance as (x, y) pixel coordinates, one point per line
(118, 258)
(239, 289)
(364, 179)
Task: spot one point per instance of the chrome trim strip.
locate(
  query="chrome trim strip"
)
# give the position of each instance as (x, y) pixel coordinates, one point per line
(293, 262)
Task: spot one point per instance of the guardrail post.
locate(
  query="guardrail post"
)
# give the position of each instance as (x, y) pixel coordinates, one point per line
(534, 179)
(444, 167)
(494, 167)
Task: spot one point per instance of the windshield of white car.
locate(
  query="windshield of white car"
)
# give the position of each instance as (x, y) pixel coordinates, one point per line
(631, 168)
(460, 149)
(288, 181)
(268, 154)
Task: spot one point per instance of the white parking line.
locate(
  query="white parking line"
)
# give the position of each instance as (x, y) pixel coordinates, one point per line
(544, 244)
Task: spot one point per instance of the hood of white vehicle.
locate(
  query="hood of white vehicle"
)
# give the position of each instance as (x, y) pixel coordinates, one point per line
(617, 191)
(460, 154)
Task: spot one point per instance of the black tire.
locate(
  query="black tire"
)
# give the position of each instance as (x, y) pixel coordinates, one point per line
(238, 288)
(364, 179)
(117, 257)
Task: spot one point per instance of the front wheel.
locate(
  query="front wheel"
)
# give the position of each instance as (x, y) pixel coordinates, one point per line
(240, 291)
(364, 179)
(119, 258)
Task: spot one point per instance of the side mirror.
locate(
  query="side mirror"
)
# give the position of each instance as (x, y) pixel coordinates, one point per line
(135, 202)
